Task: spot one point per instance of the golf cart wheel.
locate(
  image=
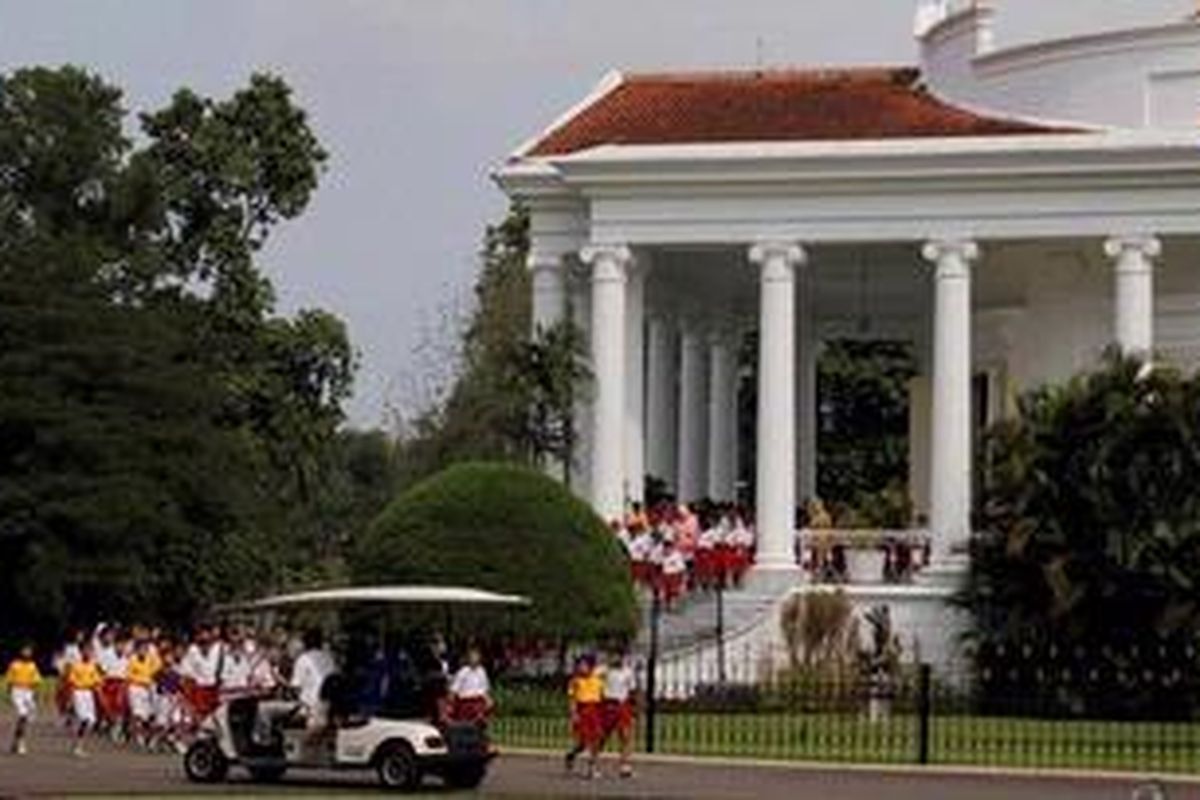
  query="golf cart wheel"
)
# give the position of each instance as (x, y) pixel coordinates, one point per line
(466, 777)
(397, 767)
(205, 763)
(266, 774)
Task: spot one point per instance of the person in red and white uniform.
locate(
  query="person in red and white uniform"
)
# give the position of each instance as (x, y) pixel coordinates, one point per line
(620, 685)
(471, 691)
(201, 671)
(674, 573)
(112, 657)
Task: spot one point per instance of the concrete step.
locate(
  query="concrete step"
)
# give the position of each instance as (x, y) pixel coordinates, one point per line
(694, 620)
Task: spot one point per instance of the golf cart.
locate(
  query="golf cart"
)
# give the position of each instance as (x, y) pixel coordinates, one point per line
(267, 736)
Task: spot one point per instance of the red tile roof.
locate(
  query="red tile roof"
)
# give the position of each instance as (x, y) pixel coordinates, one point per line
(772, 105)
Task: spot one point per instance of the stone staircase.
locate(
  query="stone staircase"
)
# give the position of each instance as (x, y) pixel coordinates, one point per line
(694, 620)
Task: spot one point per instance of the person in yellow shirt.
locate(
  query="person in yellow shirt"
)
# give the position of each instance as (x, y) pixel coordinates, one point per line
(23, 678)
(140, 673)
(84, 678)
(585, 691)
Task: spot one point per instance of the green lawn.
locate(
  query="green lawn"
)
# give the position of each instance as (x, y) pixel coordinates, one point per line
(961, 740)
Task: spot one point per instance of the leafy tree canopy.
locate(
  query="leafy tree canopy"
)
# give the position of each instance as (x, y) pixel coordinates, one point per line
(510, 529)
(161, 428)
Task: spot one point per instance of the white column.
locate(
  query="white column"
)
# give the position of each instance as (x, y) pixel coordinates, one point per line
(776, 467)
(548, 275)
(580, 290)
(807, 351)
(635, 383)
(661, 433)
(1133, 257)
(608, 365)
(950, 469)
(722, 417)
(693, 413)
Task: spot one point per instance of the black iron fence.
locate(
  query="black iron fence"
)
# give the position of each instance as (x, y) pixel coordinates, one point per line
(773, 707)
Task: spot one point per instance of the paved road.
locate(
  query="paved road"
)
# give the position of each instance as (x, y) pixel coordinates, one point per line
(49, 772)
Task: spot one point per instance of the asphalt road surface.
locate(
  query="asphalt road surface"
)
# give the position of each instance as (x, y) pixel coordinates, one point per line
(50, 771)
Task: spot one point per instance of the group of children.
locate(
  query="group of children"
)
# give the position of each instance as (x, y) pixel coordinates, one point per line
(138, 685)
(674, 548)
(150, 690)
(603, 704)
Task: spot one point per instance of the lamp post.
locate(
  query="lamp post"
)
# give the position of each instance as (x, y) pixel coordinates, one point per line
(722, 569)
(652, 666)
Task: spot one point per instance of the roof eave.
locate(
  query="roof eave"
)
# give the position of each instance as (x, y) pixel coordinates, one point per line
(783, 161)
(526, 178)
(603, 88)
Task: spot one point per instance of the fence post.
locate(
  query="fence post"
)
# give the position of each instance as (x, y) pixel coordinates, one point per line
(652, 671)
(924, 707)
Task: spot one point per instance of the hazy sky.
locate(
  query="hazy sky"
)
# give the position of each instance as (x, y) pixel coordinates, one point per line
(416, 99)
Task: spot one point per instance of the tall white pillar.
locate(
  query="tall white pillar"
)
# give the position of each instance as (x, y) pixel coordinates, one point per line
(807, 352)
(693, 413)
(608, 365)
(776, 467)
(580, 296)
(722, 417)
(549, 279)
(1133, 257)
(661, 394)
(635, 383)
(950, 469)
(548, 309)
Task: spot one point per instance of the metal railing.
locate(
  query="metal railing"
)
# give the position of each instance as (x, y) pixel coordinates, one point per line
(833, 712)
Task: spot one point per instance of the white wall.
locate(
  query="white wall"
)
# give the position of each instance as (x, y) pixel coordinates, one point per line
(1146, 77)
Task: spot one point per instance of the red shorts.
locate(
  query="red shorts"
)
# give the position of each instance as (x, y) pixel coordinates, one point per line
(203, 699)
(112, 698)
(588, 727)
(469, 709)
(673, 585)
(618, 717)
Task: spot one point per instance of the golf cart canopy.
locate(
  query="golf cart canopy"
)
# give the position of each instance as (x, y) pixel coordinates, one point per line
(385, 595)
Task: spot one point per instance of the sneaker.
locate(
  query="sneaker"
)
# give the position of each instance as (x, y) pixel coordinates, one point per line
(626, 771)
(78, 751)
(21, 749)
(569, 762)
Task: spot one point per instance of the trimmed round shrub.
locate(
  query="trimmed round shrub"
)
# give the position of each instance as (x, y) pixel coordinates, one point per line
(507, 529)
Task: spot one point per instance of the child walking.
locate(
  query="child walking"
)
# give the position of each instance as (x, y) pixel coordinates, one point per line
(84, 678)
(620, 684)
(23, 678)
(585, 692)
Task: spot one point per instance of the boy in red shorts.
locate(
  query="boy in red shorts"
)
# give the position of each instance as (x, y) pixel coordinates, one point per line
(586, 692)
(620, 685)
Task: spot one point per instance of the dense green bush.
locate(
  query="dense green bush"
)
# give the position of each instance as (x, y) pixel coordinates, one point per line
(1091, 542)
(511, 529)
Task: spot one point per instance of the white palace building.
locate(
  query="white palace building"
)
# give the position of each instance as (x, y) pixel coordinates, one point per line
(1010, 212)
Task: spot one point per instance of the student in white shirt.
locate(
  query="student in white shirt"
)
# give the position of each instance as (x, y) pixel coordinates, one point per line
(471, 691)
(674, 570)
(200, 668)
(234, 678)
(309, 672)
(620, 686)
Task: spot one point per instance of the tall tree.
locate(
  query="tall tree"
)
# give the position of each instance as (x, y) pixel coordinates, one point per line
(512, 396)
(160, 426)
